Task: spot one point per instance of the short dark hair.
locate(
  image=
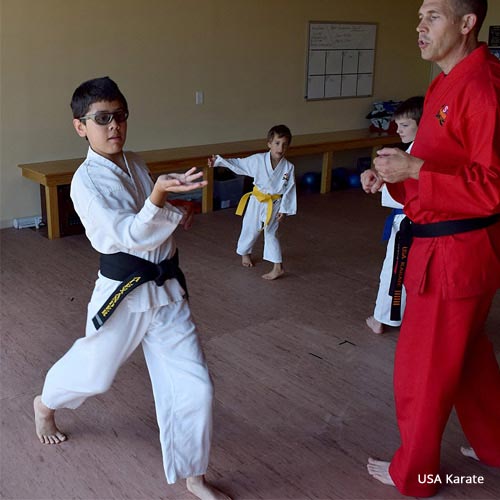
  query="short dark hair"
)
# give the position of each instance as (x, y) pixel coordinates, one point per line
(411, 108)
(477, 7)
(280, 131)
(95, 90)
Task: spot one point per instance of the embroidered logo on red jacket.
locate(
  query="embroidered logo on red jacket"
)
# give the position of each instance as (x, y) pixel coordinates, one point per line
(442, 114)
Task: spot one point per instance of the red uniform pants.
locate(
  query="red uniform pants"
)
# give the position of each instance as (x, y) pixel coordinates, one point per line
(443, 359)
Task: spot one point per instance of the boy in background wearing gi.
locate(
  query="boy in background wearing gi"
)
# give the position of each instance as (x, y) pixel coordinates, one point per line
(407, 117)
(272, 199)
(130, 223)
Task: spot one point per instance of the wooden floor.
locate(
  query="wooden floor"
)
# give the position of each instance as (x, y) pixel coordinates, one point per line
(303, 389)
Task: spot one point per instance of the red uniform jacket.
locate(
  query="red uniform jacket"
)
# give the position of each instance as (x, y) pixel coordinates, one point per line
(459, 140)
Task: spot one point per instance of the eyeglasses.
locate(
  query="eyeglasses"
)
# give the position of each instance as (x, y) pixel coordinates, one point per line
(106, 117)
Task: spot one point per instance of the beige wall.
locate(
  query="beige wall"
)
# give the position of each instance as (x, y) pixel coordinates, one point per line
(247, 56)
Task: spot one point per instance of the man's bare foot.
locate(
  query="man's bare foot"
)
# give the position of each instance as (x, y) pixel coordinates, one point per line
(380, 471)
(45, 424)
(276, 272)
(246, 261)
(469, 452)
(374, 325)
(203, 490)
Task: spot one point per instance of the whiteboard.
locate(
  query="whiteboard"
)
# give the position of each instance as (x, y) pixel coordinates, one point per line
(340, 60)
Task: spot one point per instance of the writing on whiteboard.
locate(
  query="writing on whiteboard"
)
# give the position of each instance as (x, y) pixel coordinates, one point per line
(330, 36)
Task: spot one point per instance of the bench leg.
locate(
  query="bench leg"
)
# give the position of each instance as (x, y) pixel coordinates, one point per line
(207, 201)
(52, 212)
(326, 172)
(374, 151)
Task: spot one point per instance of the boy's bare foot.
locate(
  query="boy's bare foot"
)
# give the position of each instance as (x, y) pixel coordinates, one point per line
(276, 272)
(380, 471)
(203, 490)
(45, 424)
(374, 325)
(469, 452)
(246, 261)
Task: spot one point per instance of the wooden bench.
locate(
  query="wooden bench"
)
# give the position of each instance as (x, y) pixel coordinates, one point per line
(51, 174)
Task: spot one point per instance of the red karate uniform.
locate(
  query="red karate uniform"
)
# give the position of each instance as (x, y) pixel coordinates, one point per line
(443, 357)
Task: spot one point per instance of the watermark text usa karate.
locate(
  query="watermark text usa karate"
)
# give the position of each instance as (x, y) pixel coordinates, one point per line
(449, 479)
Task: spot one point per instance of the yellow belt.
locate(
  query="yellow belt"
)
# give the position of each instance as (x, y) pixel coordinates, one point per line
(262, 198)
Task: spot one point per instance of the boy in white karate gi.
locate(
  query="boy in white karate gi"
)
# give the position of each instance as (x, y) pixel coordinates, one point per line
(272, 199)
(130, 223)
(407, 117)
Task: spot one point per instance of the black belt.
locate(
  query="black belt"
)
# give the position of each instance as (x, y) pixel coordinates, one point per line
(409, 230)
(133, 271)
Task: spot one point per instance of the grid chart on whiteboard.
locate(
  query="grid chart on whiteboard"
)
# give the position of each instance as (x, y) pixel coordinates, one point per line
(341, 60)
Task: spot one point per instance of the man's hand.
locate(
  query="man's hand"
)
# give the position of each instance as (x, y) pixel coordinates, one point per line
(176, 183)
(394, 165)
(281, 217)
(370, 181)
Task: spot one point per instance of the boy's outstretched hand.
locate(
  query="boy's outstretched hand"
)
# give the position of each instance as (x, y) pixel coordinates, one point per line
(211, 161)
(182, 183)
(176, 183)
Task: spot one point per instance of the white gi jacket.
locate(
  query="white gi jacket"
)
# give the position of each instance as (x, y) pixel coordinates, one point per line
(281, 180)
(119, 217)
(387, 200)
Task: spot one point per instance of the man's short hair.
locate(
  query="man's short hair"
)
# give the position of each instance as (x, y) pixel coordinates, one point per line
(280, 131)
(95, 90)
(411, 108)
(478, 7)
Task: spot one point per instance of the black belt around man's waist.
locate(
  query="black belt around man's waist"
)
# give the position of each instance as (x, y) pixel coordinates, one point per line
(133, 271)
(409, 230)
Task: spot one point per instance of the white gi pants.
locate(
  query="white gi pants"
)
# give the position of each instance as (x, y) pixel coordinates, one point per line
(253, 223)
(181, 383)
(382, 312)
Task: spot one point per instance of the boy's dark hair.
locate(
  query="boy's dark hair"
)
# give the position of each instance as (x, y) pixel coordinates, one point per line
(95, 90)
(478, 7)
(411, 108)
(280, 131)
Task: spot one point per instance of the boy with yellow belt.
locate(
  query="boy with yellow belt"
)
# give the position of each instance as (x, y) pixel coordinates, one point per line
(272, 199)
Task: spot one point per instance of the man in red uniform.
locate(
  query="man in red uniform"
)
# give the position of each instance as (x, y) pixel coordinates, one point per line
(450, 188)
